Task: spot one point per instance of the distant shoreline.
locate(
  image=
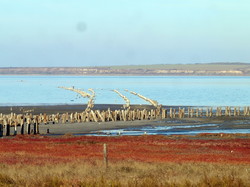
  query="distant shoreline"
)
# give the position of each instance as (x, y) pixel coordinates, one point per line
(208, 69)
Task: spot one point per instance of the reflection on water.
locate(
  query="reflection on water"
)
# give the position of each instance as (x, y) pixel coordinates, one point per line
(169, 130)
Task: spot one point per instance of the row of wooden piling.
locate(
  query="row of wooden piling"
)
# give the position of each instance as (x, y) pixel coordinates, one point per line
(29, 123)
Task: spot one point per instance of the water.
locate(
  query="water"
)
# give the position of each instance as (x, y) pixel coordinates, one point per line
(169, 130)
(192, 91)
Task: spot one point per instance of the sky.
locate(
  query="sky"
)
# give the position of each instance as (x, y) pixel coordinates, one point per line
(123, 32)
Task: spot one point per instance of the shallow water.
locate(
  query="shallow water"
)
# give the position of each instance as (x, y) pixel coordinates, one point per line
(169, 130)
(189, 91)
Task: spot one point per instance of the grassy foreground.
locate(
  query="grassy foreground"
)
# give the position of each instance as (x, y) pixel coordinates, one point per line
(125, 174)
(203, 160)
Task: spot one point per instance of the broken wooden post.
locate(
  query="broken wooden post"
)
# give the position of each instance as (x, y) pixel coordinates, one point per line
(229, 111)
(94, 116)
(22, 129)
(34, 130)
(22, 125)
(163, 114)
(100, 116)
(171, 113)
(211, 112)
(174, 113)
(8, 130)
(15, 129)
(28, 125)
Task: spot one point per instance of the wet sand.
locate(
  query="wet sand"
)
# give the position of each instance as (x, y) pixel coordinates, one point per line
(87, 127)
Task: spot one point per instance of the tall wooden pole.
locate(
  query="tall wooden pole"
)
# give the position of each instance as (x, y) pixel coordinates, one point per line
(105, 155)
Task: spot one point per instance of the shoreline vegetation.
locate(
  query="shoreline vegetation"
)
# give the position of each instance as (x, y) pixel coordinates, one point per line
(141, 161)
(206, 69)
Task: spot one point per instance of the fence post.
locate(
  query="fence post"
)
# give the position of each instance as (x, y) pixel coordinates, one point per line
(105, 155)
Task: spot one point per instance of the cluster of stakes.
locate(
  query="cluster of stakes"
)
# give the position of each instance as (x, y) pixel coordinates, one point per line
(27, 123)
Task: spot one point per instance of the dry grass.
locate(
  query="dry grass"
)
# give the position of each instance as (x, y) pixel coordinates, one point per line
(93, 173)
(203, 160)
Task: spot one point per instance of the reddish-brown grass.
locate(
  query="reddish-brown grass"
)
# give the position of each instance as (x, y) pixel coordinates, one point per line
(203, 160)
(40, 149)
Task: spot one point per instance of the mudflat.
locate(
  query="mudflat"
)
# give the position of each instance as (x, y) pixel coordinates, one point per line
(87, 127)
(240, 122)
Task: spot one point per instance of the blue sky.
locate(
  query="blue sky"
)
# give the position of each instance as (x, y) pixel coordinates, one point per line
(123, 32)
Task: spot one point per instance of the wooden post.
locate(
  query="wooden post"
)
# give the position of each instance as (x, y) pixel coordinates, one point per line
(171, 113)
(163, 116)
(35, 128)
(201, 112)
(94, 116)
(28, 125)
(179, 112)
(105, 155)
(197, 112)
(134, 115)
(211, 112)
(100, 116)
(174, 113)
(124, 117)
(8, 130)
(1, 130)
(192, 111)
(22, 129)
(207, 113)
(28, 128)
(5, 124)
(15, 129)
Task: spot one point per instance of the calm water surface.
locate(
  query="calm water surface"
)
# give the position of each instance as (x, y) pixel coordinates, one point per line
(193, 91)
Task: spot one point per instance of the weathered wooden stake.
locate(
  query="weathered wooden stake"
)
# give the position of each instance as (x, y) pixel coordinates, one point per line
(105, 155)
(1, 130)
(171, 113)
(15, 130)
(22, 129)
(8, 130)
(28, 128)
(35, 128)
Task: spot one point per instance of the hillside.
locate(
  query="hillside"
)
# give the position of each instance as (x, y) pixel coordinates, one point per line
(209, 69)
